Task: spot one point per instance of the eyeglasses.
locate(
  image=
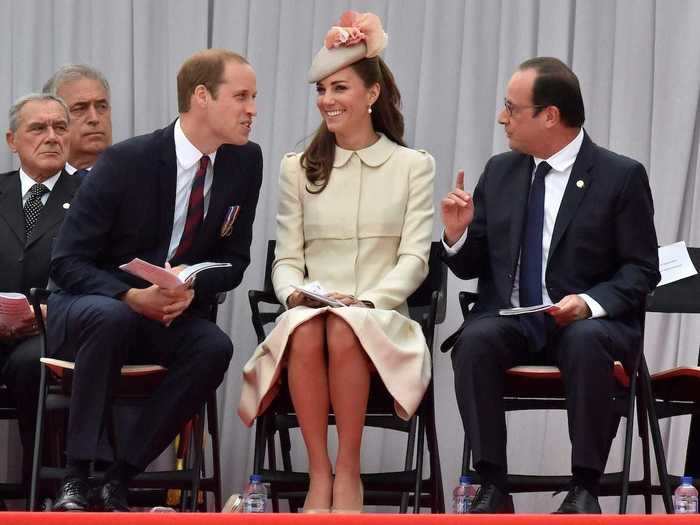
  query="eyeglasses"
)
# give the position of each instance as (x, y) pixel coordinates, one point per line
(513, 108)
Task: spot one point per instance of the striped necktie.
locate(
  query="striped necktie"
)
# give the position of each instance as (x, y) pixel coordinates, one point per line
(195, 209)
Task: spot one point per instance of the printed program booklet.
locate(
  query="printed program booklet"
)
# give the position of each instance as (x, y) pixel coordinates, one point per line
(14, 308)
(166, 278)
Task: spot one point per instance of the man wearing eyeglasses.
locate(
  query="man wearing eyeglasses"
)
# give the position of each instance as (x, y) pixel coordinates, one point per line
(558, 221)
(87, 95)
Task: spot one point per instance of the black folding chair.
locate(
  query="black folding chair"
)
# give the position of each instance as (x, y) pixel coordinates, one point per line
(676, 391)
(136, 383)
(427, 307)
(542, 388)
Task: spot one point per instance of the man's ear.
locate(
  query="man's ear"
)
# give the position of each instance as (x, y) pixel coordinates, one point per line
(10, 138)
(200, 96)
(552, 116)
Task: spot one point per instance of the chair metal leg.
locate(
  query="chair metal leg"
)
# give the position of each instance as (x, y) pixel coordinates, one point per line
(213, 422)
(38, 439)
(629, 427)
(408, 462)
(656, 439)
(643, 424)
(438, 496)
(419, 465)
(198, 449)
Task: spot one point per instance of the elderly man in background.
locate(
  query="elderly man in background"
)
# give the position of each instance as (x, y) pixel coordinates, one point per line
(33, 202)
(86, 93)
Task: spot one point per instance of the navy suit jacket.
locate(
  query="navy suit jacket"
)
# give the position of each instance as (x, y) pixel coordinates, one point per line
(603, 244)
(125, 209)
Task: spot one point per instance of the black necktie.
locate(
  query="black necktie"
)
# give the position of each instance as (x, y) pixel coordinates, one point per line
(33, 207)
(531, 260)
(81, 173)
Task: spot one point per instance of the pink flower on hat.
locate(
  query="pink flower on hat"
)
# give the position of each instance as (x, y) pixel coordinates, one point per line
(353, 28)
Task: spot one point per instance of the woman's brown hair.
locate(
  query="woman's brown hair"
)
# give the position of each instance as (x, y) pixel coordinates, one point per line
(317, 159)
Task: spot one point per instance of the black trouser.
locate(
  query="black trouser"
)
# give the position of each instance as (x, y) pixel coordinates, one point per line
(20, 371)
(584, 351)
(103, 334)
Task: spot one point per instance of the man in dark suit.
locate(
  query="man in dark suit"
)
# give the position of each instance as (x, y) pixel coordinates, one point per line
(169, 197)
(86, 93)
(560, 221)
(33, 202)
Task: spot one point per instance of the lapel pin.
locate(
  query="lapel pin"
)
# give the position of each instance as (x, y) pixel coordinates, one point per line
(580, 184)
(66, 205)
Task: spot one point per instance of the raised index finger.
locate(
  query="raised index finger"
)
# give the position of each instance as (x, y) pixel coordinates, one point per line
(460, 180)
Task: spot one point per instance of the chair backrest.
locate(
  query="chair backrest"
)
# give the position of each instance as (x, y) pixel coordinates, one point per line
(269, 259)
(681, 296)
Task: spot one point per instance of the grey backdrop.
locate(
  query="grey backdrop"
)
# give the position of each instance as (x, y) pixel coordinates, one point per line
(639, 66)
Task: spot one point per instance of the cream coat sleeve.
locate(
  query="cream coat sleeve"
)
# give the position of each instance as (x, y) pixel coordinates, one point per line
(289, 266)
(414, 248)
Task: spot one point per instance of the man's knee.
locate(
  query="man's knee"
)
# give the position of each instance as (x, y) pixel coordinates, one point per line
(482, 341)
(216, 351)
(584, 345)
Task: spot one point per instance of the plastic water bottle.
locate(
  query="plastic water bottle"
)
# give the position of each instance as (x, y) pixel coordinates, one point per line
(463, 495)
(255, 495)
(685, 498)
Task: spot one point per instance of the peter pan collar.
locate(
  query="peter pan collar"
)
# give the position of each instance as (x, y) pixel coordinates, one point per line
(373, 156)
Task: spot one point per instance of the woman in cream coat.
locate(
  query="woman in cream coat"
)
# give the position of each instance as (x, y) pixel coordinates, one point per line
(355, 214)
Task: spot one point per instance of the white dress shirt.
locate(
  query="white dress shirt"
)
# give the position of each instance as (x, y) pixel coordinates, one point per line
(70, 169)
(27, 182)
(187, 165)
(554, 183)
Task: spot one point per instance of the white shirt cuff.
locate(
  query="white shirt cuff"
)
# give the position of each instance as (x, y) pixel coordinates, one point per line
(596, 310)
(451, 250)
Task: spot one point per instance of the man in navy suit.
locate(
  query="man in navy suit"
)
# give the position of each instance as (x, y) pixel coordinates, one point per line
(559, 221)
(169, 198)
(39, 135)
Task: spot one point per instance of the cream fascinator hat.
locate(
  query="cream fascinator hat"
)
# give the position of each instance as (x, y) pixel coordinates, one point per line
(357, 36)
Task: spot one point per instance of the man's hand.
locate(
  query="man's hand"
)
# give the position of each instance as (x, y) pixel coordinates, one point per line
(158, 303)
(457, 210)
(571, 308)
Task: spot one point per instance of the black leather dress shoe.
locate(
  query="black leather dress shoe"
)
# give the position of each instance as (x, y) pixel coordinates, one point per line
(490, 500)
(579, 501)
(114, 497)
(72, 496)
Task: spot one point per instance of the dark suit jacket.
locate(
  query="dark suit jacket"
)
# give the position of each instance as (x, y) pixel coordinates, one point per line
(125, 209)
(603, 244)
(22, 265)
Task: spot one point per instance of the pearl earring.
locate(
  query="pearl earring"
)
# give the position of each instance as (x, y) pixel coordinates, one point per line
(369, 109)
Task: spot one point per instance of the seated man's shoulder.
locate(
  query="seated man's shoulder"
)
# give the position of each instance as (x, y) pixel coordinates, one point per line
(249, 150)
(505, 161)
(616, 161)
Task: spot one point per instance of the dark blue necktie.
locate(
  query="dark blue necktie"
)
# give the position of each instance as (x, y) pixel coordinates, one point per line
(531, 261)
(81, 173)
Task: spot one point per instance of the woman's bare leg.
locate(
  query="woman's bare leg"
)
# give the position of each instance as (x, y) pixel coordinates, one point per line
(308, 386)
(349, 379)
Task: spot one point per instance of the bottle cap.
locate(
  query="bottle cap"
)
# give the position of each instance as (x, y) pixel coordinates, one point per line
(255, 478)
(687, 480)
(465, 479)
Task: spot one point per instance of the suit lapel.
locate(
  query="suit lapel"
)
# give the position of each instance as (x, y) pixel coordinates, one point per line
(53, 211)
(167, 185)
(520, 189)
(576, 188)
(11, 205)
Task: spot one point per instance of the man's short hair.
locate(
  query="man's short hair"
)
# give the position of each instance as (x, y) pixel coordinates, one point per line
(16, 108)
(71, 73)
(205, 68)
(557, 85)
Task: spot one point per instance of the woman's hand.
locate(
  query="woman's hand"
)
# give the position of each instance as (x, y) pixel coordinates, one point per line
(349, 300)
(299, 299)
